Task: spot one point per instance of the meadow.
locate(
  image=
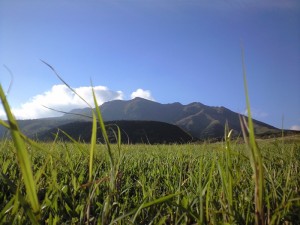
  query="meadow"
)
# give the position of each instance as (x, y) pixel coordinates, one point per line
(154, 184)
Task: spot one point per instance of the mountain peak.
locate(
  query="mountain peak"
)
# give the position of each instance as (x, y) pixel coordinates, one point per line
(141, 99)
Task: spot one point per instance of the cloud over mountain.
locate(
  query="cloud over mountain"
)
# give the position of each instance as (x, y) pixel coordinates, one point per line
(62, 98)
(146, 94)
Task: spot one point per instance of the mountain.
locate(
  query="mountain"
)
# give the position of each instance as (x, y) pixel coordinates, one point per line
(198, 120)
(133, 132)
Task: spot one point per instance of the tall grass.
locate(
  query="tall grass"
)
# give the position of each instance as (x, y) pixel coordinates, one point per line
(166, 184)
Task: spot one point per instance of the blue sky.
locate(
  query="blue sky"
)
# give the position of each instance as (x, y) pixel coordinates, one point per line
(167, 51)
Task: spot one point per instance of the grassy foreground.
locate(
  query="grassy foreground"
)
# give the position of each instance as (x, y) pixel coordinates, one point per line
(161, 184)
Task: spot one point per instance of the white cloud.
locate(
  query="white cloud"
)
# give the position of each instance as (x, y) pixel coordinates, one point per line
(295, 127)
(142, 94)
(62, 98)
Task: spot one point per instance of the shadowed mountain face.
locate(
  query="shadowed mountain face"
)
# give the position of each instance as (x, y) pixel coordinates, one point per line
(149, 132)
(198, 120)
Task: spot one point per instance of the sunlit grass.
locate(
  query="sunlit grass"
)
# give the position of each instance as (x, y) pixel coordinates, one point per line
(170, 184)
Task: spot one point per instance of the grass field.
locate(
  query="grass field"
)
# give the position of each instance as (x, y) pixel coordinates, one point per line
(160, 184)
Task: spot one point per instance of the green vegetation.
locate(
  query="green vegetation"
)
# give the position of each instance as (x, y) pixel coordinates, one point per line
(186, 183)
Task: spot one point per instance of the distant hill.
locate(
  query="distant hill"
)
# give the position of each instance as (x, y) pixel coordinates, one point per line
(198, 120)
(133, 132)
(35, 126)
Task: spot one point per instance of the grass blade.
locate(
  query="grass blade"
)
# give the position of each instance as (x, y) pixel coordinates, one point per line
(93, 146)
(22, 155)
(103, 129)
(256, 159)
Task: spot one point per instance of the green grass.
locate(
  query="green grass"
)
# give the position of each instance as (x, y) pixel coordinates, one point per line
(166, 184)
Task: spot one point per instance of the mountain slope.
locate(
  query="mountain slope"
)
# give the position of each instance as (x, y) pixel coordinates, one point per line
(33, 127)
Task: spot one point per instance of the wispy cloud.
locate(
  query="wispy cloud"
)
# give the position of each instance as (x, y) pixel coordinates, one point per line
(142, 93)
(295, 127)
(62, 98)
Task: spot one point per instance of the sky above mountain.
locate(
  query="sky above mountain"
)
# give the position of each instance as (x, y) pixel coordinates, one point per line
(163, 50)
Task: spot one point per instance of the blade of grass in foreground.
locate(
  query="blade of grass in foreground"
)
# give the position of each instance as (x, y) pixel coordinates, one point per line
(93, 146)
(106, 214)
(103, 129)
(22, 155)
(256, 159)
